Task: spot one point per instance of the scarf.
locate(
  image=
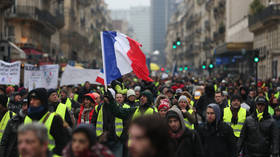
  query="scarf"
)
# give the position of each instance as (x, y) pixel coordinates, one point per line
(176, 135)
(85, 115)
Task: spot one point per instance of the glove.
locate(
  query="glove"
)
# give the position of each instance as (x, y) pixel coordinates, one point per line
(108, 95)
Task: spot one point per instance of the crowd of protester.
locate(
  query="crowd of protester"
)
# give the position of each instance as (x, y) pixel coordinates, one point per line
(170, 117)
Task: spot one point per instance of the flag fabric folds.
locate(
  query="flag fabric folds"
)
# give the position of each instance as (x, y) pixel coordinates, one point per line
(122, 55)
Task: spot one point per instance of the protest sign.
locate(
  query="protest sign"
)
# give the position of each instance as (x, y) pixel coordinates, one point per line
(9, 73)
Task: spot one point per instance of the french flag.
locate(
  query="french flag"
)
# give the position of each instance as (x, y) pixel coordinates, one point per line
(122, 55)
(100, 77)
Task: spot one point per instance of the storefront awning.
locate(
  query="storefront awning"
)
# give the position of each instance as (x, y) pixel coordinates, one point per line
(233, 49)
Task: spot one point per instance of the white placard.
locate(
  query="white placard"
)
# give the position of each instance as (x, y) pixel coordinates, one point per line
(74, 76)
(45, 76)
(9, 73)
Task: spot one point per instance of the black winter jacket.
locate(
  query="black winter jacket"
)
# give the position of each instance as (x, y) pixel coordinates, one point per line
(187, 145)
(259, 138)
(8, 146)
(217, 140)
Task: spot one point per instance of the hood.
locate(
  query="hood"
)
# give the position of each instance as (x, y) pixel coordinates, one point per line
(217, 111)
(175, 110)
(149, 96)
(88, 130)
(41, 94)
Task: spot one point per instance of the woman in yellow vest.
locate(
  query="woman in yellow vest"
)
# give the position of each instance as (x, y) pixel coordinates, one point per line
(38, 111)
(186, 108)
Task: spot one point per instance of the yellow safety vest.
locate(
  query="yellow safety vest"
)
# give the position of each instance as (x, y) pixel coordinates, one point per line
(266, 96)
(192, 102)
(277, 95)
(188, 124)
(137, 113)
(61, 110)
(68, 103)
(118, 122)
(76, 96)
(241, 119)
(215, 87)
(4, 122)
(48, 124)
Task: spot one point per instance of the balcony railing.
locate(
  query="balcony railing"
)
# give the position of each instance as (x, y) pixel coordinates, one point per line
(4, 4)
(33, 13)
(270, 13)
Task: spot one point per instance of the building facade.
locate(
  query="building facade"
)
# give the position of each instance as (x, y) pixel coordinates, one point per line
(56, 31)
(212, 32)
(265, 24)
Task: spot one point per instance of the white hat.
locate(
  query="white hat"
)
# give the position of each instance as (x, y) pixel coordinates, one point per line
(137, 88)
(130, 92)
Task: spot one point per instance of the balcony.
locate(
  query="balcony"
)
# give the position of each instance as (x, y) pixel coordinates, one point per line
(43, 17)
(84, 2)
(74, 38)
(268, 16)
(4, 4)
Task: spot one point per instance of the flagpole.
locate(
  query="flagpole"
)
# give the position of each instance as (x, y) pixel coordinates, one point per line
(103, 58)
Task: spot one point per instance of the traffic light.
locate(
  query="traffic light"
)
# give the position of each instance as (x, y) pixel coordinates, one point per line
(203, 66)
(178, 42)
(162, 69)
(186, 68)
(256, 59)
(181, 69)
(211, 66)
(174, 45)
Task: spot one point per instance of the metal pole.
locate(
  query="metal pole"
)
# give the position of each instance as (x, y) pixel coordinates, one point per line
(256, 77)
(9, 53)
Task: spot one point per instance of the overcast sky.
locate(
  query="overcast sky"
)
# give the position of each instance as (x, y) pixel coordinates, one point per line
(125, 4)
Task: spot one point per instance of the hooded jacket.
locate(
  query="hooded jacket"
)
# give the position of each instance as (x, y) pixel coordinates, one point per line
(57, 130)
(217, 137)
(188, 144)
(95, 149)
(259, 137)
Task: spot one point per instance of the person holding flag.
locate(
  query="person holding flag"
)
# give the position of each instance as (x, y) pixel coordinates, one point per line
(122, 55)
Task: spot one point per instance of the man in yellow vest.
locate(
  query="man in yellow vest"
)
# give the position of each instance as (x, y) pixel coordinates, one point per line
(5, 114)
(70, 103)
(235, 115)
(61, 109)
(38, 111)
(145, 108)
(109, 129)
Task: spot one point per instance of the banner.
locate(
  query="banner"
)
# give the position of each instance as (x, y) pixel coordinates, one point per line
(9, 73)
(75, 76)
(45, 76)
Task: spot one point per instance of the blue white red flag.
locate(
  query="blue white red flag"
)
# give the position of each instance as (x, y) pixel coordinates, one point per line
(122, 55)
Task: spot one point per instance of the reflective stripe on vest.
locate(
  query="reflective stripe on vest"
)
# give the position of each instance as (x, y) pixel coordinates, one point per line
(68, 104)
(137, 113)
(188, 124)
(118, 123)
(241, 119)
(61, 110)
(48, 124)
(4, 122)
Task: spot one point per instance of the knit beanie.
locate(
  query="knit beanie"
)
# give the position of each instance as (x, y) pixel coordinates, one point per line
(183, 98)
(130, 92)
